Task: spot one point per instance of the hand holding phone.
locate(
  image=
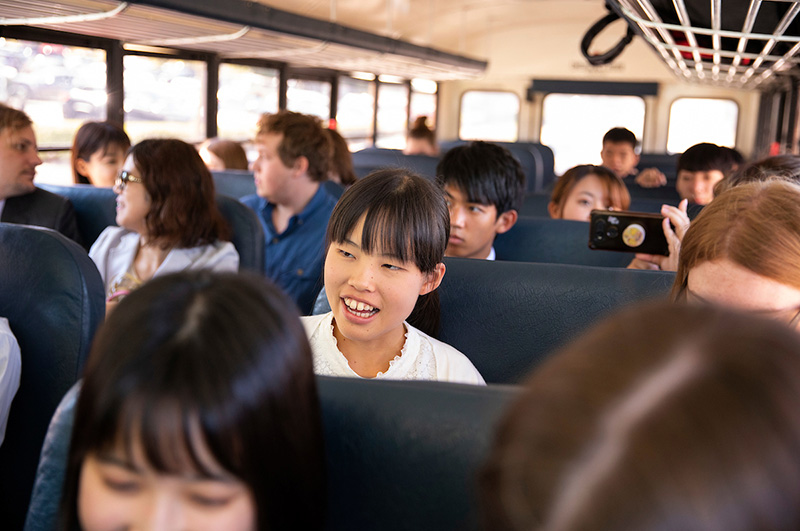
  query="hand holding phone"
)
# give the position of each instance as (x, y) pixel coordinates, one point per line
(631, 232)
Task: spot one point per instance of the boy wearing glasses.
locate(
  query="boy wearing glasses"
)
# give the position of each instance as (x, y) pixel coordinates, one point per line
(20, 200)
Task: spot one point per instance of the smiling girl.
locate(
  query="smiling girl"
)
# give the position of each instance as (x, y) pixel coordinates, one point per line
(386, 240)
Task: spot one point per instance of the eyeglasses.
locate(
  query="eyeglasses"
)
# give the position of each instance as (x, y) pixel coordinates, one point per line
(124, 178)
(790, 315)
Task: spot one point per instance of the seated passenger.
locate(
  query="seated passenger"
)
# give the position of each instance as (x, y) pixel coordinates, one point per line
(785, 167)
(168, 220)
(421, 139)
(663, 418)
(619, 154)
(98, 153)
(198, 410)
(219, 154)
(700, 168)
(484, 186)
(20, 200)
(386, 240)
(585, 188)
(341, 169)
(10, 370)
(743, 251)
(293, 159)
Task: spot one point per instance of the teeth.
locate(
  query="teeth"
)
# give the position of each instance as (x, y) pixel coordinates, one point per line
(359, 308)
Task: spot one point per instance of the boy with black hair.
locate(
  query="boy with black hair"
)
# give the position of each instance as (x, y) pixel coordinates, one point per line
(620, 156)
(700, 168)
(484, 185)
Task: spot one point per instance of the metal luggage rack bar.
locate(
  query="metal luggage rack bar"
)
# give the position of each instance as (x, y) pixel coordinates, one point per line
(719, 56)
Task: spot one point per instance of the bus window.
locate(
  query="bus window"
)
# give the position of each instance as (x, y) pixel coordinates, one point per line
(245, 92)
(695, 120)
(423, 100)
(354, 111)
(309, 96)
(164, 98)
(392, 114)
(573, 125)
(489, 115)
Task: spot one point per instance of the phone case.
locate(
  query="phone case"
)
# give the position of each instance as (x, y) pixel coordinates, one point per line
(631, 232)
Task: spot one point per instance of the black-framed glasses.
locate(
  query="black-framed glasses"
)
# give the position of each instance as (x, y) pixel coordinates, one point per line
(124, 178)
(789, 315)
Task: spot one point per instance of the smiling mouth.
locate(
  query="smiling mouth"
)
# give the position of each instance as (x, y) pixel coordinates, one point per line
(358, 308)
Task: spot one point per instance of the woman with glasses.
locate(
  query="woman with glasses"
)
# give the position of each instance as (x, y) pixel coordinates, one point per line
(168, 220)
(743, 251)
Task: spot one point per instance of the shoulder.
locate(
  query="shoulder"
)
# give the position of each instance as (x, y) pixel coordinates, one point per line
(312, 323)
(253, 201)
(451, 364)
(9, 347)
(110, 238)
(42, 197)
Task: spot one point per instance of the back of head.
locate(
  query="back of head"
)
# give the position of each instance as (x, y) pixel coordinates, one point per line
(342, 160)
(785, 167)
(618, 135)
(755, 225)
(421, 139)
(663, 417)
(11, 118)
(183, 210)
(198, 359)
(705, 157)
(486, 173)
(92, 137)
(406, 218)
(303, 136)
(231, 153)
(618, 194)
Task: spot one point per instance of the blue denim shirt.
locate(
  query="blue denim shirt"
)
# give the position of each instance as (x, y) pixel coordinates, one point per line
(293, 259)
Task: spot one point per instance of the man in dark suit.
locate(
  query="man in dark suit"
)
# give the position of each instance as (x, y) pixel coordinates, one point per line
(20, 200)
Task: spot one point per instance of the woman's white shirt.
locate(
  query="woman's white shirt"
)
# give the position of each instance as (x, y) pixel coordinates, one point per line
(114, 250)
(422, 357)
(10, 371)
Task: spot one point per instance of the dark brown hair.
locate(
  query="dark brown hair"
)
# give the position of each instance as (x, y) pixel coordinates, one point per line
(183, 210)
(342, 161)
(92, 137)
(786, 167)
(13, 118)
(406, 218)
(303, 136)
(229, 152)
(663, 417)
(615, 187)
(225, 353)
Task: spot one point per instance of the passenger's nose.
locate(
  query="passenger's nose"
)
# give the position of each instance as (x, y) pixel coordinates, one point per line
(362, 277)
(36, 160)
(162, 513)
(457, 216)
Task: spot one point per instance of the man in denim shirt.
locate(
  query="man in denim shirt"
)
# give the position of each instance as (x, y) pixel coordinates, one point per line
(293, 158)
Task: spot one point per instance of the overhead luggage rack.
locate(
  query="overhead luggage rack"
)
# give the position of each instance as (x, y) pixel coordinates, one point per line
(735, 43)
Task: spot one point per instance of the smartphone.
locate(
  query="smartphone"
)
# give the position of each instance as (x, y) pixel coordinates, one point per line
(631, 232)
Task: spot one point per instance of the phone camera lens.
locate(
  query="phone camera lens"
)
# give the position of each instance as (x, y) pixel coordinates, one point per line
(599, 230)
(613, 232)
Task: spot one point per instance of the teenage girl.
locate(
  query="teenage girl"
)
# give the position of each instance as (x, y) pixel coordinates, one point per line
(385, 243)
(198, 410)
(585, 188)
(98, 153)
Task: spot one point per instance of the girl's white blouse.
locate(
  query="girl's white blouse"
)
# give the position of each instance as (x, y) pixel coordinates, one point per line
(421, 358)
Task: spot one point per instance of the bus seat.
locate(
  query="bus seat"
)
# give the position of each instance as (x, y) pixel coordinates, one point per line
(53, 297)
(234, 183)
(666, 163)
(535, 205)
(370, 159)
(96, 210)
(554, 241)
(507, 317)
(667, 193)
(401, 455)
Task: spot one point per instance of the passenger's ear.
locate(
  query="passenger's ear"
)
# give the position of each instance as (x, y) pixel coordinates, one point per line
(505, 221)
(300, 165)
(80, 165)
(433, 280)
(552, 209)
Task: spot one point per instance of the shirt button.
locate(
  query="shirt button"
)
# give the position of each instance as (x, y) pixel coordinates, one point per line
(299, 272)
(274, 240)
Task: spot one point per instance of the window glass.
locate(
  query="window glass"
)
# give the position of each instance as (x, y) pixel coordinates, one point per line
(355, 111)
(573, 125)
(489, 115)
(309, 97)
(695, 120)
(245, 92)
(392, 115)
(424, 105)
(164, 98)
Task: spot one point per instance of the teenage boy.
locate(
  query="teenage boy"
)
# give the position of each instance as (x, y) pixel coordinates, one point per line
(619, 155)
(484, 186)
(293, 158)
(700, 168)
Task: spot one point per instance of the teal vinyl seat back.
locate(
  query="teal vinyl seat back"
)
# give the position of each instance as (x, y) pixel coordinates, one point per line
(400, 455)
(370, 159)
(507, 317)
(96, 210)
(53, 298)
